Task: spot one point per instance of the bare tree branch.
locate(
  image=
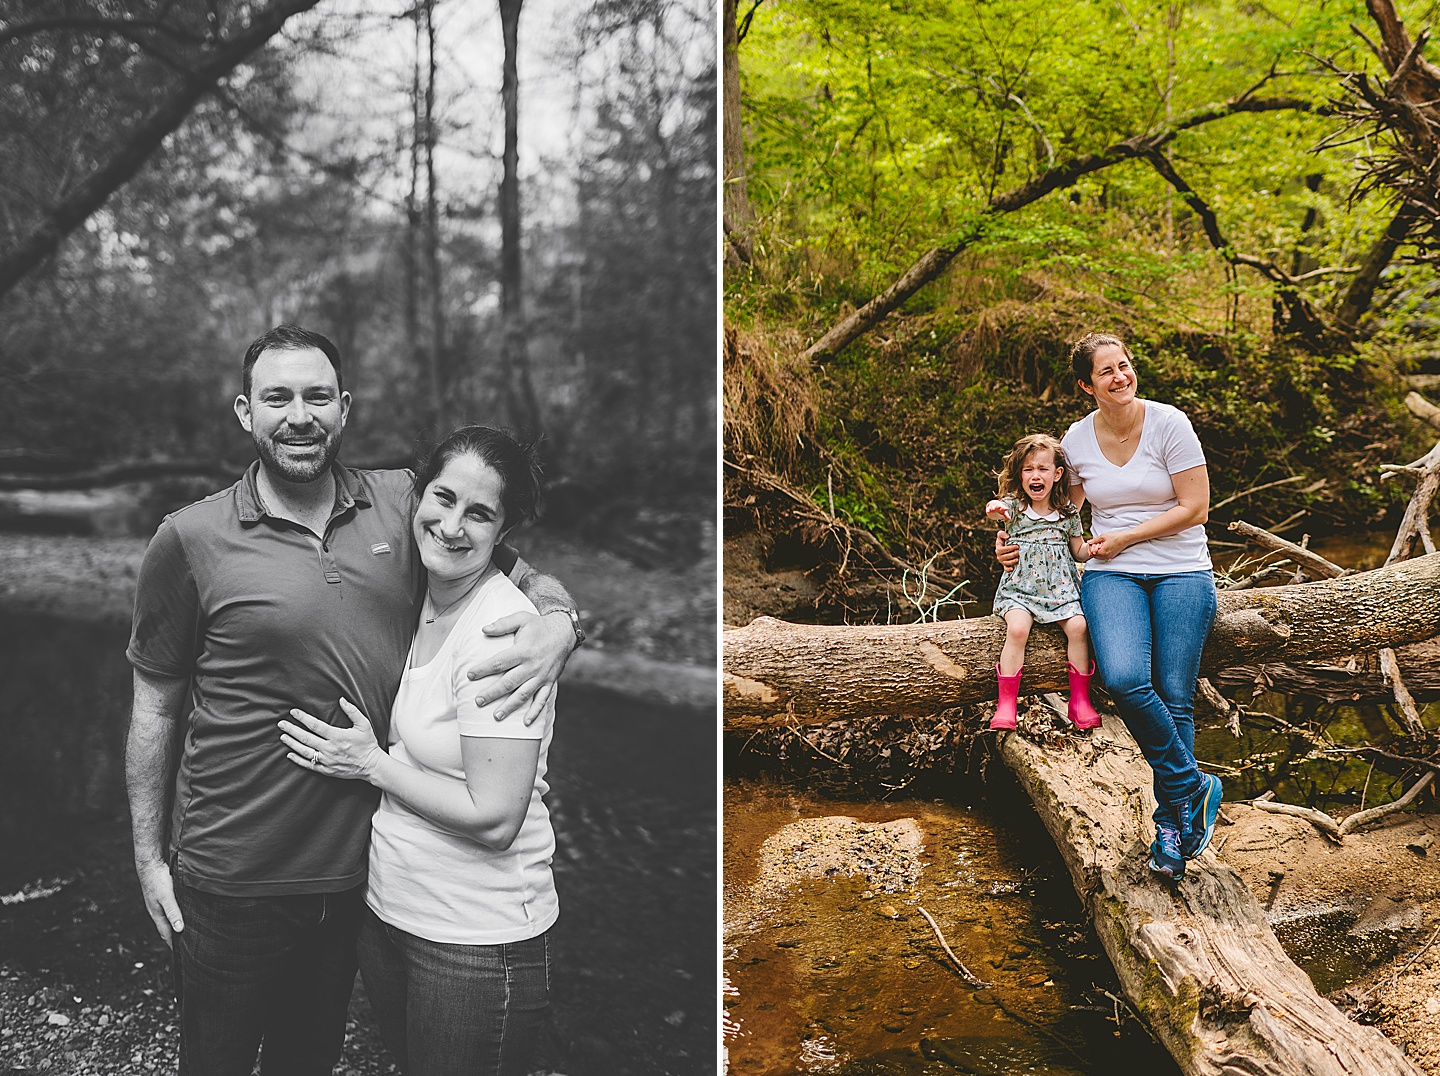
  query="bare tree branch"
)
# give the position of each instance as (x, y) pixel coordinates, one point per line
(936, 260)
(70, 212)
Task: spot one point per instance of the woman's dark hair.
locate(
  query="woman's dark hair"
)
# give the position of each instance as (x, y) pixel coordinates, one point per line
(517, 464)
(1082, 355)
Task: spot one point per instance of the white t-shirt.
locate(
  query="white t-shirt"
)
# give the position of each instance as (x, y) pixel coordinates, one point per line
(435, 884)
(1124, 497)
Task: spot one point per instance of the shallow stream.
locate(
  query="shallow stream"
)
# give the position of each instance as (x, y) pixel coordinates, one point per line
(833, 972)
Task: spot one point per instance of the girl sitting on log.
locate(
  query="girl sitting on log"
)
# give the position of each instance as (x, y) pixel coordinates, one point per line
(1149, 590)
(1044, 585)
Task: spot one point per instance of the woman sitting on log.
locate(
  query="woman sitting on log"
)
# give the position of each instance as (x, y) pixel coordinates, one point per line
(1148, 592)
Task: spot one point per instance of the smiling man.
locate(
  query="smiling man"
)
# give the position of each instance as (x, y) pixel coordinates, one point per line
(296, 586)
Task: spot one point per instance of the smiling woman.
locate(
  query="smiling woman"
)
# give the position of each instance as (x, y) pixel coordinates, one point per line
(460, 897)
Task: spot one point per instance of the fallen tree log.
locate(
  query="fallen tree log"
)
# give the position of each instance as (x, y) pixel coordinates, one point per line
(1197, 961)
(1420, 663)
(779, 674)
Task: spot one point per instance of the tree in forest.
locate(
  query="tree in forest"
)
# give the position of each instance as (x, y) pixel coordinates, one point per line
(520, 390)
(64, 71)
(738, 214)
(645, 331)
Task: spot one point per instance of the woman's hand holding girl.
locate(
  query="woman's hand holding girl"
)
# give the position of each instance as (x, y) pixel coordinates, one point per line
(351, 753)
(1110, 544)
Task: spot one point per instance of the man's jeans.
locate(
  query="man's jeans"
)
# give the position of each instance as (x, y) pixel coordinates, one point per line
(455, 1009)
(1148, 632)
(271, 969)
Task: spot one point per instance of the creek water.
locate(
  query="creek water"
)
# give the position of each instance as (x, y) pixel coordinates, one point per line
(841, 973)
(632, 801)
(836, 973)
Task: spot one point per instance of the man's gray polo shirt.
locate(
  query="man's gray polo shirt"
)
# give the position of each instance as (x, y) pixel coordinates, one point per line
(261, 615)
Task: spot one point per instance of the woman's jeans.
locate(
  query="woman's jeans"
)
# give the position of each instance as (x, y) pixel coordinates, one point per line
(1148, 632)
(271, 969)
(455, 1009)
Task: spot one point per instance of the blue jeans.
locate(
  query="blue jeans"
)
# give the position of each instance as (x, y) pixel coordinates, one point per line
(1148, 632)
(277, 970)
(466, 1010)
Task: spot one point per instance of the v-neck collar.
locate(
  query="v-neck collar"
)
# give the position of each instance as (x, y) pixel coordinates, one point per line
(1139, 441)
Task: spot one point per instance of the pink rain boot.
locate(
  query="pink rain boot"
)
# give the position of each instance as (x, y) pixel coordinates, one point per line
(1006, 708)
(1081, 713)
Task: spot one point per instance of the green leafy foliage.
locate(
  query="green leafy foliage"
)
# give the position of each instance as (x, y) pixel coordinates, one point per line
(875, 132)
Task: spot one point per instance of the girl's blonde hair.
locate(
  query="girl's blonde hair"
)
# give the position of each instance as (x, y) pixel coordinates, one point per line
(1009, 474)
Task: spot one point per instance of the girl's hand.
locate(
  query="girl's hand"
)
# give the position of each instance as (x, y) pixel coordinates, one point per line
(334, 752)
(1110, 544)
(998, 509)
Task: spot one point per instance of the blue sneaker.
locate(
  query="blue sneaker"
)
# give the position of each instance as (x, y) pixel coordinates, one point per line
(1165, 857)
(1204, 810)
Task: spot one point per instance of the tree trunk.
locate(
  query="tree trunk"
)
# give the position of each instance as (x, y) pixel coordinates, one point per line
(413, 218)
(738, 215)
(1361, 292)
(70, 212)
(432, 231)
(777, 674)
(524, 408)
(1197, 961)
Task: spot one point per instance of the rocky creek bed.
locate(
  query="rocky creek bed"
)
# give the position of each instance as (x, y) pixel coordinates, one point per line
(830, 962)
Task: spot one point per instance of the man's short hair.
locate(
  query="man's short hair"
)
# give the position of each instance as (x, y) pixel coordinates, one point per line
(289, 338)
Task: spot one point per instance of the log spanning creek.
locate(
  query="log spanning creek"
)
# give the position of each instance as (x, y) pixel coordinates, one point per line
(834, 909)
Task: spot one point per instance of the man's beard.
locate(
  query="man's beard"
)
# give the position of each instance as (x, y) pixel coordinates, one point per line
(293, 470)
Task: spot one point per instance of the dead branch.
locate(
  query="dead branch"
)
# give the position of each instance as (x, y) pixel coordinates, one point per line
(1391, 670)
(1327, 824)
(1423, 409)
(805, 508)
(1319, 819)
(935, 261)
(1314, 562)
(1256, 489)
(965, 972)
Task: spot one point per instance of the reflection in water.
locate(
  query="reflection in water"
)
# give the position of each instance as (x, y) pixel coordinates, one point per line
(65, 693)
(632, 799)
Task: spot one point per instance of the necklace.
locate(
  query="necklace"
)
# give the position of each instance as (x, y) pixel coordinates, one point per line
(437, 613)
(1110, 426)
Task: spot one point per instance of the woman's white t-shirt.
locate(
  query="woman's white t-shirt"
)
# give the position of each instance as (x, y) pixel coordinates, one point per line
(1124, 497)
(434, 884)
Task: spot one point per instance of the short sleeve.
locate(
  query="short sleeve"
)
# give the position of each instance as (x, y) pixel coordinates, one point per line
(476, 720)
(509, 562)
(165, 626)
(1180, 446)
(1072, 446)
(1072, 526)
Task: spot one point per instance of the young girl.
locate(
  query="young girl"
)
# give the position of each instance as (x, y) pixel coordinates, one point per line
(1034, 499)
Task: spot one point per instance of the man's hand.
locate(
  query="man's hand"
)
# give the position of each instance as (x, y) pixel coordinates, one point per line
(524, 674)
(158, 889)
(1008, 555)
